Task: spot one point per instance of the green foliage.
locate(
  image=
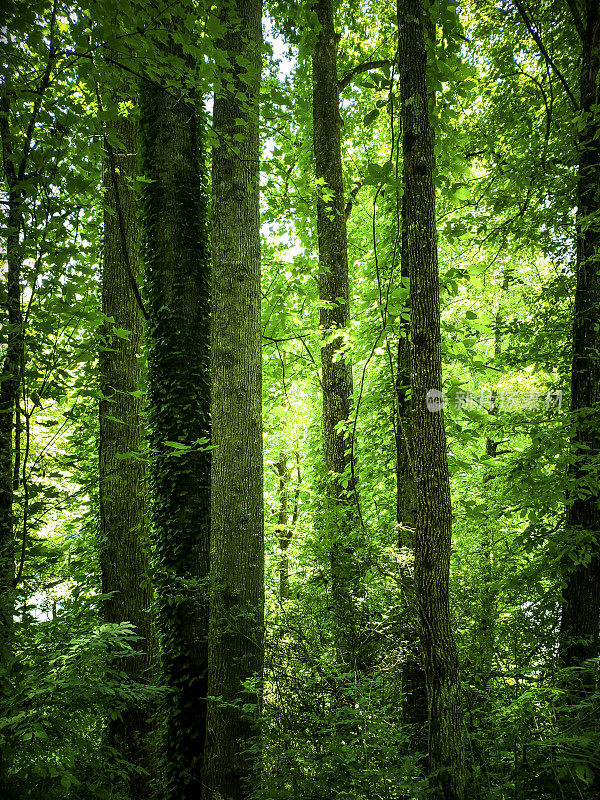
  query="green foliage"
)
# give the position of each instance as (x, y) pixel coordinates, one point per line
(69, 686)
(506, 147)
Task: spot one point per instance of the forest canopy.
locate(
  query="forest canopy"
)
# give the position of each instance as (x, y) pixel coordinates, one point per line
(300, 400)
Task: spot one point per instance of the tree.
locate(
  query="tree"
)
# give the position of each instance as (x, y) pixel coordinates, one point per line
(237, 558)
(124, 546)
(17, 179)
(580, 619)
(434, 515)
(285, 522)
(177, 284)
(334, 294)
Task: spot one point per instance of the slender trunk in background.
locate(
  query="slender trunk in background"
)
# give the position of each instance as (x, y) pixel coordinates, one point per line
(434, 513)
(487, 598)
(236, 649)
(285, 523)
(579, 630)
(177, 279)
(343, 516)
(124, 548)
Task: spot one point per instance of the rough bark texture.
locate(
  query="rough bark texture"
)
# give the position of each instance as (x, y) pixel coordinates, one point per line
(335, 316)
(414, 688)
(579, 630)
(124, 551)
(9, 391)
(434, 517)
(236, 649)
(177, 264)
(12, 342)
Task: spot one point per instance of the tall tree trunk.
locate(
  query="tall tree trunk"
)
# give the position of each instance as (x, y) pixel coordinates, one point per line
(434, 514)
(177, 266)
(343, 518)
(236, 649)
(124, 550)
(579, 631)
(9, 398)
(414, 688)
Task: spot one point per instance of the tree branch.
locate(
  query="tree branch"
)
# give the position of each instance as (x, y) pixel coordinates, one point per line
(366, 67)
(542, 48)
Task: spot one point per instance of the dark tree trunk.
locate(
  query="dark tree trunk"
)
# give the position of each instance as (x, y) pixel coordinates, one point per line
(177, 267)
(414, 688)
(9, 395)
(124, 550)
(9, 400)
(434, 515)
(342, 516)
(236, 649)
(581, 598)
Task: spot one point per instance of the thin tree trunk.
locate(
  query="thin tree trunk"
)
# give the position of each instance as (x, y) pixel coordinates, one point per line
(343, 517)
(236, 650)
(434, 515)
(579, 630)
(177, 275)
(285, 525)
(124, 550)
(487, 598)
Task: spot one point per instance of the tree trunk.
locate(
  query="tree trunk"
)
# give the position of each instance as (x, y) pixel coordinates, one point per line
(285, 525)
(124, 551)
(581, 598)
(434, 515)
(487, 598)
(236, 650)
(341, 490)
(414, 688)
(177, 265)
(9, 398)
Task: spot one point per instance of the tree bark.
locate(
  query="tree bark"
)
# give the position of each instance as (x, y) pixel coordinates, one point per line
(434, 514)
(414, 688)
(334, 293)
(579, 630)
(236, 650)
(124, 549)
(9, 398)
(177, 275)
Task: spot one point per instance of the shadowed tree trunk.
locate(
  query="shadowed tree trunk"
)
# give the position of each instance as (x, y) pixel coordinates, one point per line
(12, 346)
(579, 631)
(342, 515)
(177, 279)
(236, 650)
(124, 548)
(434, 514)
(414, 708)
